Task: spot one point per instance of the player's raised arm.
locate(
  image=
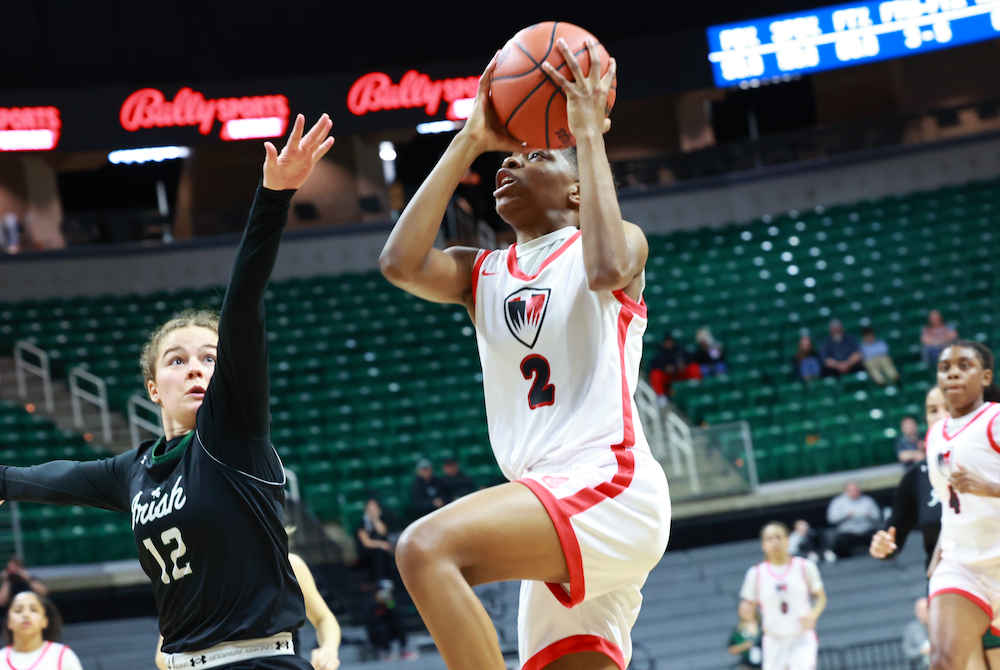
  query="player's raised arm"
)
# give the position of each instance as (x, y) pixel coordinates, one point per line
(102, 483)
(239, 395)
(409, 259)
(614, 251)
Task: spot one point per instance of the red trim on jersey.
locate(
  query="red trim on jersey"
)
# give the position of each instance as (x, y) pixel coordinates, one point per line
(944, 428)
(516, 271)
(574, 645)
(475, 271)
(638, 308)
(567, 540)
(976, 600)
(788, 568)
(62, 652)
(989, 433)
(805, 577)
(560, 510)
(38, 660)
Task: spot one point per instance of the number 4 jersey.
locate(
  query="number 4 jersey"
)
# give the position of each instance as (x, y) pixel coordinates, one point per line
(970, 524)
(560, 361)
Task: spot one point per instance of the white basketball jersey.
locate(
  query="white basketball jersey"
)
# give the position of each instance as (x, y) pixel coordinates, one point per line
(970, 524)
(50, 656)
(784, 594)
(560, 362)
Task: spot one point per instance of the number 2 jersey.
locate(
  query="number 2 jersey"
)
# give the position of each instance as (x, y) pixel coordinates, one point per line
(207, 508)
(560, 361)
(970, 524)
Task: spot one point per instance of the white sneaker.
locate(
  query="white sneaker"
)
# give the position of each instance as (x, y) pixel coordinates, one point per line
(829, 556)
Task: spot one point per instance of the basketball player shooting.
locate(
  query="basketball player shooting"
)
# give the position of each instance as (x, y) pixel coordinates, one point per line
(559, 319)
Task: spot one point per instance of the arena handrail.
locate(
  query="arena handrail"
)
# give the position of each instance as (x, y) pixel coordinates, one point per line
(135, 422)
(42, 370)
(100, 399)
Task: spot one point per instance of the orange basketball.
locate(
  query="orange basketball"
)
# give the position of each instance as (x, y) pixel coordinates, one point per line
(529, 105)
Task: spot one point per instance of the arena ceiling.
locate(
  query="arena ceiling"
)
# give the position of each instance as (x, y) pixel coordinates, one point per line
(51, 43)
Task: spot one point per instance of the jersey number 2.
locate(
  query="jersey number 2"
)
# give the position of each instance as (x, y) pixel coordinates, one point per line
(542, 392)
(169, 537)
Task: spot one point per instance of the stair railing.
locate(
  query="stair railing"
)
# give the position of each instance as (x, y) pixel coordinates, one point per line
(23, 367)
(100, 399)
(137, 403)
(669, 435)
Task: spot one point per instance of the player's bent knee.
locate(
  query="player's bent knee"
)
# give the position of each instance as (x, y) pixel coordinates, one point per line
(943, 659)
(420, 546)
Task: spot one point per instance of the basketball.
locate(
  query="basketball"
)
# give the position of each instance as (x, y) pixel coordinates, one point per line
(529, 105)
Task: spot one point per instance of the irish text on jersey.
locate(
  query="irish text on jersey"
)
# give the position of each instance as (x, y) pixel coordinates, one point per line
(159, 505)
(524, 310)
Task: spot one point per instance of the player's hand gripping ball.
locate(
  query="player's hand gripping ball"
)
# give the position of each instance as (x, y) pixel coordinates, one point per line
(528, 102)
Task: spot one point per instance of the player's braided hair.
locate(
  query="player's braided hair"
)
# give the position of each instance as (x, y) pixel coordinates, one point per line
(50, 633)
(203, 318)
(992, 392)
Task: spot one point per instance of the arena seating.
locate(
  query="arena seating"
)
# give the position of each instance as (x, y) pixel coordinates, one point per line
(884, 264)
(688, 611)
(367, 379)
(53, 534)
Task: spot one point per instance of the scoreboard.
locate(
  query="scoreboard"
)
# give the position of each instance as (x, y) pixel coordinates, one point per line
(843, 35)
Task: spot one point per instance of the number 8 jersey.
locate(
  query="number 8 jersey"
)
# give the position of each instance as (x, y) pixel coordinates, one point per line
(560, 361)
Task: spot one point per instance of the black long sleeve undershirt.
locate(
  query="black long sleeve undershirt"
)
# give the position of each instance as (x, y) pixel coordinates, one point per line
(906, 512)
(235, 417)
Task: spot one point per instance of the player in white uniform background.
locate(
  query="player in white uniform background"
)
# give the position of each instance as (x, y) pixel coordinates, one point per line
(963, 456)
(790, 594)
(32, 634)
(559, 319)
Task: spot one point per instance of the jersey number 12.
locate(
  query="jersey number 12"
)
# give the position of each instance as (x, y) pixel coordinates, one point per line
(542, 392)
(168, 537)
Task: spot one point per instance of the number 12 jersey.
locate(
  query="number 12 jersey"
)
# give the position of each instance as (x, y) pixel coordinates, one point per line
(560, 361)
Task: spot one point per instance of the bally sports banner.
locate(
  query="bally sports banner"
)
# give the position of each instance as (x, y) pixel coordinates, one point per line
(189, 113)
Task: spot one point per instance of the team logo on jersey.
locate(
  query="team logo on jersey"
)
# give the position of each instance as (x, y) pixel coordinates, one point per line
(524, 311)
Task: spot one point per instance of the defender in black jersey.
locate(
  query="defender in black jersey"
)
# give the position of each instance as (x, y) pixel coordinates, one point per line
(915, 504)
(207, 500)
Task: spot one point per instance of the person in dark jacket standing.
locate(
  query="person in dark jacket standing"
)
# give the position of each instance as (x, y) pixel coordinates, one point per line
(455, 482)
(427, 494)
(207, 499)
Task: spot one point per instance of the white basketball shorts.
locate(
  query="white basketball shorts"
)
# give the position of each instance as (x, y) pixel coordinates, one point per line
(613, 520)
(978, 583)
(796, 652)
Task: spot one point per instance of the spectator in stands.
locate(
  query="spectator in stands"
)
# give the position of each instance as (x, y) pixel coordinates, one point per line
(670, 364)
(746, 638)
(806, 361)
(16, 579)
(426, 495)
(374, 548)
(935, 336)
(709, 356)
(856, 518)
(876, 357)
(916, 644)
(840, 352)
(384, 628)
(910, 447)
(805, 541)
(455, 483)
(33, 630)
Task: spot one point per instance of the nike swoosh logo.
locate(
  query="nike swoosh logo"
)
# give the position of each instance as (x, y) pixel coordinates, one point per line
(490, 274)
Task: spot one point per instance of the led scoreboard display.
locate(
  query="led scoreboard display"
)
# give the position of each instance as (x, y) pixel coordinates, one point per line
(845, 35)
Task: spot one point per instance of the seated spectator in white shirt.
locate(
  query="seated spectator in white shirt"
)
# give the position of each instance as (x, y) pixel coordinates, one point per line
(856, 518)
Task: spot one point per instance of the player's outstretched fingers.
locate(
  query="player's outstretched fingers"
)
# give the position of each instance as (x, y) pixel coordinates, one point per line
(571, 62)
(595, 61)
(296, 135)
